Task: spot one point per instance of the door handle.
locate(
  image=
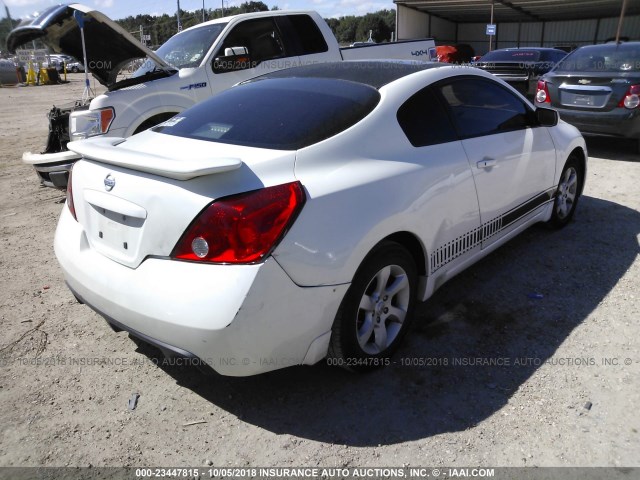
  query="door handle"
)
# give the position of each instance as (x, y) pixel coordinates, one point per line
(486, 163)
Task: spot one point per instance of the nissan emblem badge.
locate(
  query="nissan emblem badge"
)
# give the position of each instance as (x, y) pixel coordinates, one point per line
(109, 183)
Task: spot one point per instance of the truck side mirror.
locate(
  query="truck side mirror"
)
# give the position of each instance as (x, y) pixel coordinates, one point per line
(235, 58)
(229, 52)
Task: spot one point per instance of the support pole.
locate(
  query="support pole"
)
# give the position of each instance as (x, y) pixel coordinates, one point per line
(87, 94)
(624, 8)
(491, 23)
(178, 15)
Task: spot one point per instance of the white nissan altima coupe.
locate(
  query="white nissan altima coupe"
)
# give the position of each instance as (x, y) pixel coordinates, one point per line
(299, 216)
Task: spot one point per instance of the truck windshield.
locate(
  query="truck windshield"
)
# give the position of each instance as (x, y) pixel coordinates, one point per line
(186, 49)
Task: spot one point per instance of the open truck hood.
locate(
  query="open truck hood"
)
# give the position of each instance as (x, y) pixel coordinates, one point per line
(109, 46)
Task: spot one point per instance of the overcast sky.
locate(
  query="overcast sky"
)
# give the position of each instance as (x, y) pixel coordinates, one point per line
(123, 8)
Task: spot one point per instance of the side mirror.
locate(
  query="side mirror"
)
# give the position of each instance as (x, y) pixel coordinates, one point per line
(547, 117)
(235, 58)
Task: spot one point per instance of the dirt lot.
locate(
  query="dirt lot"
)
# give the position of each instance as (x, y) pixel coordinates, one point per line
(565, 391)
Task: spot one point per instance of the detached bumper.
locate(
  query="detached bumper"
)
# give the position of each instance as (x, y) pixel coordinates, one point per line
(52, 168)
(240, 320)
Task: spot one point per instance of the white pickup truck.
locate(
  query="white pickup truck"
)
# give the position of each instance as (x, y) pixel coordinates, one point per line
(191, 66)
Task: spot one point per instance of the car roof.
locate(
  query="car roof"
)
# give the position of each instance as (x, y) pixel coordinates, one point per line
(537, 49)
(609, 44)
(374, 73)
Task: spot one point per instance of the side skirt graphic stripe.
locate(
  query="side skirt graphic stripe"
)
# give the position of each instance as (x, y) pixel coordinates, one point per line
(450, 251)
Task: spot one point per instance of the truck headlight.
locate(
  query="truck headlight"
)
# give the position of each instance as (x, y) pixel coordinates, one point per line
(89, 123)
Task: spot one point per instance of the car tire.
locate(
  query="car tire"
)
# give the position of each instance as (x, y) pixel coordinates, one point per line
(74, 69)
(376, 311)
(568, 193)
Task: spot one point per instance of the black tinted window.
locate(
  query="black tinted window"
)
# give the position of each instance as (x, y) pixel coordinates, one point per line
(282, 114)
(260, 36)
(308, 34)
(424, 120)
(511, 56)
(553, 56)
(482, 107)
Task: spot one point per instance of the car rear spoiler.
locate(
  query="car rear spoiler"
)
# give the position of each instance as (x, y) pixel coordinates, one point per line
(109, 150)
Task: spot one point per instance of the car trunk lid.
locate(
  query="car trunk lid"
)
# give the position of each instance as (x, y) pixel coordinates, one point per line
(589, 92)
(135, 198)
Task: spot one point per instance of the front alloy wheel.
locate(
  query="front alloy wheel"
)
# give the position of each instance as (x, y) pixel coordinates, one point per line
(568, 193)
(376, 310)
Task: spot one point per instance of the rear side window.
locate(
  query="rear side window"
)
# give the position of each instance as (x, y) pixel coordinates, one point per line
(482, 107)
(261, 38)
(424, 120)
(308, 34)
(281, 114)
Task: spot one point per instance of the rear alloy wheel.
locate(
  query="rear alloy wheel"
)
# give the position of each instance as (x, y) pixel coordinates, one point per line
(376, 310)
(568, 193)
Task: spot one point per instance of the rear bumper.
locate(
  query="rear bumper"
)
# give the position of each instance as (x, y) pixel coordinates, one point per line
(617, 123)
(52, 168)
(240, 320)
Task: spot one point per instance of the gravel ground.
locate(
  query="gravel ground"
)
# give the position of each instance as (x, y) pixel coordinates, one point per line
(487, 377)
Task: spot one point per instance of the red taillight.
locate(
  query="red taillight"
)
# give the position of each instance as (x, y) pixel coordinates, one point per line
(542, 95)
(242, 228)
(70, 204)
(631, 99)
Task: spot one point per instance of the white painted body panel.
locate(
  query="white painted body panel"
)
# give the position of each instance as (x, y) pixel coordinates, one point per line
(362, 186)
(133, 105)
(232, 318)
(423, 50)
(170, 204)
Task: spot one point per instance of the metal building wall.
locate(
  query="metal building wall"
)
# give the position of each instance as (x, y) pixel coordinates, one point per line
(570, 32)
(443, 30)
(411, 23)
(525, 34)
(630, 28)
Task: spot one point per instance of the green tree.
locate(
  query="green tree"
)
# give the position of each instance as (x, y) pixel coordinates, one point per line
(347, 28)
(5, 28)
(248, 7)
(333, 23)
(351, 29)
(374, 23)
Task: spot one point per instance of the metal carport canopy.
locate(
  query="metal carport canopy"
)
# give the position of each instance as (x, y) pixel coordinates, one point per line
(474, 11)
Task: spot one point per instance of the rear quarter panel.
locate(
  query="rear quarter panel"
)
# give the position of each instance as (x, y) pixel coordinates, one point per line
(368, 183)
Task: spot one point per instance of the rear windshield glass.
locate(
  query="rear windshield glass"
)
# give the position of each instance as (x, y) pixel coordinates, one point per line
(624, 57)
(281, 114)
(511, 56)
